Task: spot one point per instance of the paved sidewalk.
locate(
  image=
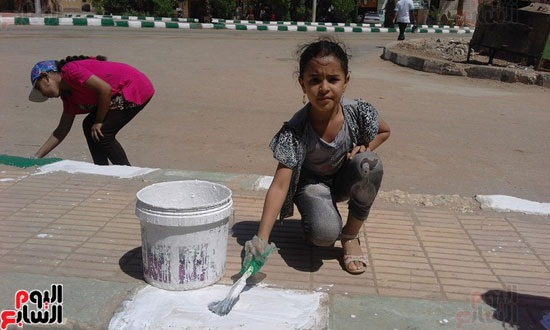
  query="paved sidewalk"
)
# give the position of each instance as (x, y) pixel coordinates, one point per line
(81, 229)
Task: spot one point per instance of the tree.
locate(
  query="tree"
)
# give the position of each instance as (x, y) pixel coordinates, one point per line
(343, 10)
(164, 8)
(115, 7)
(223, 8)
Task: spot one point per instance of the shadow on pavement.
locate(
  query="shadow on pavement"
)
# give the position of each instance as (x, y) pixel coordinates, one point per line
(131, 263)
(293, 249)
(521, 311)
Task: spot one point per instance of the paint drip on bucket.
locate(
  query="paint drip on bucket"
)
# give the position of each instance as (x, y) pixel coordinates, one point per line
(184, 228)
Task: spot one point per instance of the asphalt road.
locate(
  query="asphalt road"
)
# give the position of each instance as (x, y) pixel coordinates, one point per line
(222, 95)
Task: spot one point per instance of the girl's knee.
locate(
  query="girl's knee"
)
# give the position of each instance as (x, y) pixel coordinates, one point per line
(369, 165)
(325, 236)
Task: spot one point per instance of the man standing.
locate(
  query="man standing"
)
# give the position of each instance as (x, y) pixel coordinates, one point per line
(404, 9)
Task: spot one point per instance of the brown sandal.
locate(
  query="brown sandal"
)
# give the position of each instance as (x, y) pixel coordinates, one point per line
(349, 258)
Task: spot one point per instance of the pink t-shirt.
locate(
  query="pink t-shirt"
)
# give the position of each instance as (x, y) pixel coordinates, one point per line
(134, 86)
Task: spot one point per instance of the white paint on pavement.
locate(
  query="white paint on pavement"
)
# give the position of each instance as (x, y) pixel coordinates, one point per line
(263, 183)
(71, 166)
(502, 203)
(257, 308)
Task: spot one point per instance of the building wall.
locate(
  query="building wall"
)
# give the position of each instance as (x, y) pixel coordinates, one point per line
(71, 5)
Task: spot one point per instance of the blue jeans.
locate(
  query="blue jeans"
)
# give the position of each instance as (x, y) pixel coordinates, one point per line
(357, 181)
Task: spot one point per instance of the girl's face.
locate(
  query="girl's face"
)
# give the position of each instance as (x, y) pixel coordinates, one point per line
(48, 85)
(324, 83)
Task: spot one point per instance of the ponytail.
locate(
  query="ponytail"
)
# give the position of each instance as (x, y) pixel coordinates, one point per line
(68, 59)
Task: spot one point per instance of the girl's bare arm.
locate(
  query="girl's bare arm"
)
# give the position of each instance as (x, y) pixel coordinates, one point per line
(63, 128)
(274, 200)
(383, 135)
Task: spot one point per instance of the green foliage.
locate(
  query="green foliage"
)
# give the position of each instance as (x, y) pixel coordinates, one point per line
(435, 15)
(343, 10)
(97, 7)
(115, 7)
(223, 8)
(164, 8)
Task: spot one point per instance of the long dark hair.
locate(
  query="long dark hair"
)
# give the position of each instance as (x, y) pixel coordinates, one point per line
(322, 47)
(68, 59)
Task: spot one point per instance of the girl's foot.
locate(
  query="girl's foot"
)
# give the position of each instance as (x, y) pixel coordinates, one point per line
(354, 260)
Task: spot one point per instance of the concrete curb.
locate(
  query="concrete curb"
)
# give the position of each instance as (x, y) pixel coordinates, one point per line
(111, 22)
(390, 53)
(138, 18)
(299, 23)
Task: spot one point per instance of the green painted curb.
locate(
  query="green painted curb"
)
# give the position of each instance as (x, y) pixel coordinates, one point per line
(172, 25)
(22, 21)
(51, 21)
(147, 24)
(26, 162)
(107, 22)
(80, 21)
(122, 23)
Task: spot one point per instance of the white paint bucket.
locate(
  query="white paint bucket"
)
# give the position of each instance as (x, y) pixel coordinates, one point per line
(184, 228)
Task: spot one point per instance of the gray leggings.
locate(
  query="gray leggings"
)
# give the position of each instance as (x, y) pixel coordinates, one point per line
(358, 180)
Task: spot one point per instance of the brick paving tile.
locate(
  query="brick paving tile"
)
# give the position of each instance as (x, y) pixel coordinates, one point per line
(99, 266)
(470, 283)
(45, 247)
(396, 258)
(395, 247)
(68, 234)
(507, 272)
(117, 241)
(530, 268)
(467, 276)
(410, 265)
(53, 242)
(123, 227)
(105, 233)
(381, 251)
(12, 239)
(404, 271)
(110, 246)
(4, 245)
(458, 263)
(441, 235)
(447, 268)
(448, 255)
(405, 278)
(76, 222)
(100, 252)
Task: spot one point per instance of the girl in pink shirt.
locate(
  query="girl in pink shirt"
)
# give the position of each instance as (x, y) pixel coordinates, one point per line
(110, 93)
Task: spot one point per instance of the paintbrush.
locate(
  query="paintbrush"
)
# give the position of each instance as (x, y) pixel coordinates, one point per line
(223, 307)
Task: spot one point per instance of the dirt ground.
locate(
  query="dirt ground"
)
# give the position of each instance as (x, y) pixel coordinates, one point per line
(221, 96)
(455, 50)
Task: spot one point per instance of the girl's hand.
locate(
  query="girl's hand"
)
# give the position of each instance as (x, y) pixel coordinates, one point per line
(357, 150)
(97, 135)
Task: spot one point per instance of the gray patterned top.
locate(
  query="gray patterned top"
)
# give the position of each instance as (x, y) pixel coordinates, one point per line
(289, 148)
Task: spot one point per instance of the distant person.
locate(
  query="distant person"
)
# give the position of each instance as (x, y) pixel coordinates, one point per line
(404, 10)
(110, 93)
(325, 155)
(389, 13)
